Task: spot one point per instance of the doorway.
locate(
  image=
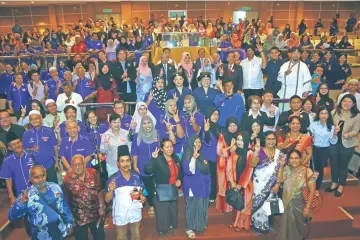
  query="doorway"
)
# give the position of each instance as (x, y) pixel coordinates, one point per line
(241, 14)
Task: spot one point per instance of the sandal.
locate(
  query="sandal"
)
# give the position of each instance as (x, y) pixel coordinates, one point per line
(151, 212)
(237, 229)
(191, 234)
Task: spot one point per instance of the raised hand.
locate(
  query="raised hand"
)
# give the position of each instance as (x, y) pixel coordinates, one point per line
(155, 154)
(24, 196)
(272, 110)
(257, 145)
(196, 153)
(259, 47)
(23, 110)
(318, 97)
(168, 125)
(233, 142)
(175, 97)
(337, 128)
(192, 119)
(282, 160)
(150, 96)
(206, 125)
(176, 116)
(112, 186)
(133, 123)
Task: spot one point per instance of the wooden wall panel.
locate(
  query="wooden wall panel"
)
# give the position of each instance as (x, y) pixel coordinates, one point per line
(21, 11)
(311, 15)
(41, 20)
(73, 8)
(311, 6)
(196, 13)
(24, 20)
(329, 6)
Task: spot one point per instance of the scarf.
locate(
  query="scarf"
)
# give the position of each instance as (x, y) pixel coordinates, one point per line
(228, 135)
(138, 117)
(187, 66)
(138, 45)
(146, 137)
(105, 80)
(144, 70)
(167, 104)
(214, 127)
(159, 95)
(189, 152)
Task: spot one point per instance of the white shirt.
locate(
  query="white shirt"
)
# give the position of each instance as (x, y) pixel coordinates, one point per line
(290, 86)
(40, 93)
(75, 100)
(252, 73)
(126, 210)
(356, 95)
(170, 61)
(277, 114)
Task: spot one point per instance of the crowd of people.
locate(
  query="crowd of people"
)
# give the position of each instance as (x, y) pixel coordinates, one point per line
(199, 127)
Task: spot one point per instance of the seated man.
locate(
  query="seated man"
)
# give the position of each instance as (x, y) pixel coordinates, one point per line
(125, 190)
(45, 207)
(70, 114)
(6, 126)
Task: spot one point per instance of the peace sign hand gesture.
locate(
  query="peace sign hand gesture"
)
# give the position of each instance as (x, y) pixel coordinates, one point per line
(337, 128)
(192, 119)
(133, 123)
(155, 154)
(23, 110)
(175, 97)
(207, 125)
(168, 125)
(196, 153)
(272, 110)
(176, 116)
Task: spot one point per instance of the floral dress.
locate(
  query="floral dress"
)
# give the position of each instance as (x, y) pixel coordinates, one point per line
(143, 86)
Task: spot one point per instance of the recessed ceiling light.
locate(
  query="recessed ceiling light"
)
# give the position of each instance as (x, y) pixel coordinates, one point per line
(277, 4)
(333, 5)
(32, 2)
(2, 2)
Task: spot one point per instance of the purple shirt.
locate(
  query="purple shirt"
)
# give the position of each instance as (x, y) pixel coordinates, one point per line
(122, 182)
(209, 149)
(161, 127)
(188, 128)
(19, 97)
(103, 127)
(17, 169)
(82, 146)
(198, 183)
(83, 87)
(153, 108)
(143, 152)
(125, 122)
(52, 85)
(180, 101)
(5, 81)
(45, 139)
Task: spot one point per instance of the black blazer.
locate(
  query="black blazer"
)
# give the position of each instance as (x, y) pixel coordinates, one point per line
(117, 71)
(197, 64)
(236, 77)
(170, 74)
(159, 167)
(263, 119)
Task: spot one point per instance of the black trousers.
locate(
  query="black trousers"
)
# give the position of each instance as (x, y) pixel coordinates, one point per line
(213, 192)
(250, 92)
(51, 175)
(339, 161)
(320, 156)
(150, 188)
(82, 232)
(166, 215)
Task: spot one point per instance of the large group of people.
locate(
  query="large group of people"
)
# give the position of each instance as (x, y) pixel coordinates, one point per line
(199, 128)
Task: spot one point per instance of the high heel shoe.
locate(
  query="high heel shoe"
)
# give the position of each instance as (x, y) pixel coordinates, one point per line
(338, 194)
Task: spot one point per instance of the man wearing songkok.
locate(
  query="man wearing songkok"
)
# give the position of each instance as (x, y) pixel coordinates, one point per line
(125, 189)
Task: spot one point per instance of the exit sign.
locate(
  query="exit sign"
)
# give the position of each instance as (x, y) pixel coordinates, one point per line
(107, 10)
(246, 8)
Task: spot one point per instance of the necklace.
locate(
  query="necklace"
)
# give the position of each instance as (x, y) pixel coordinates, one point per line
(270, 153)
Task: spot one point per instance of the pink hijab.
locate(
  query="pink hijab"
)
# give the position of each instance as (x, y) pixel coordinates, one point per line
(144, 70)
(186, 66)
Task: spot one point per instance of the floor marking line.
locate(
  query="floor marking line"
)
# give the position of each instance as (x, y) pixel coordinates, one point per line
(346, 213)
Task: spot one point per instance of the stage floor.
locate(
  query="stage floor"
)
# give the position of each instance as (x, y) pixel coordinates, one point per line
(339, 218)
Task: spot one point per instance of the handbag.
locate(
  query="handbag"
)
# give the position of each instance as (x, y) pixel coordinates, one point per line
(166, 192)
(273, 206)
(234, 198)
(306, 192)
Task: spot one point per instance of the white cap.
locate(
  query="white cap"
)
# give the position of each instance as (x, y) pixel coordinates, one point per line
(49, 101)
(34, 112)
(52, 68)
(354, 80)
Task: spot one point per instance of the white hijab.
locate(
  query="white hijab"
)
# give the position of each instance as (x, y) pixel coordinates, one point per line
(138, 117)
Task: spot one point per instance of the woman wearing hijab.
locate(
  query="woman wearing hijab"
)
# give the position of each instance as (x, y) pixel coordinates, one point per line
(186, 67)
(143, 144)
(207, 68)
(172, 116)
(196, 187)
(141, 110)
(106, 91)
(279, 42)
(122, 44)
(239, 174)
(192, 119)
(156, 98)
(226, 141)
(144, 79)
(210, 137)
(321, 98)
(236, 43)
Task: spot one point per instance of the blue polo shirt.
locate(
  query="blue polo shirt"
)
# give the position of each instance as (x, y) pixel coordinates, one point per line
(125, 122)
(5, 81)
(82, 146)
(46, 141)
(83, 87)
(229, 107)
(17, 169)
(64, 134)
(122, 182)
(19, 97)
(52, 85)
(25, 76)
(95, 44)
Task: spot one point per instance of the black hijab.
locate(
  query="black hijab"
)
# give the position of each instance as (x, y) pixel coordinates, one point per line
(138, 45)
(242, 153)
(214, 127)
(105, 79)
(228, 135)
(188, 154)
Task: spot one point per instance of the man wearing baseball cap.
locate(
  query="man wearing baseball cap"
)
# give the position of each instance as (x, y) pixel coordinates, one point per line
(42, 141)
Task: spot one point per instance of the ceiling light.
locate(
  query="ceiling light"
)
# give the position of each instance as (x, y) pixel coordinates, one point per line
(32, 2)
(2, 2)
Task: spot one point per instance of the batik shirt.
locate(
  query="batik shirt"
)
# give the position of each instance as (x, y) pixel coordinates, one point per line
(40, 214)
